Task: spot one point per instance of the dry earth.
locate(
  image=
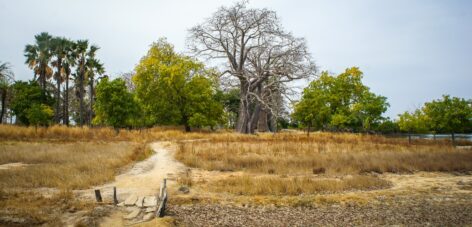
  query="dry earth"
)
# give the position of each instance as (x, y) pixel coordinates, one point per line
(419, 199)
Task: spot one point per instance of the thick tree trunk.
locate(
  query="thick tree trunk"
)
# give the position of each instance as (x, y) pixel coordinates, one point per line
(409, 137)
(272, 122)
(4, 102)
(262, 125)
(58, 91)
(243, 117)
(254, 118)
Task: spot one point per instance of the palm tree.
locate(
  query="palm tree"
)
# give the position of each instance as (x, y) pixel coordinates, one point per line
(81, 50)
(86, 61)
(94, 67)
(69, 61)
(6, 77)
(60, 49)
(38, 57)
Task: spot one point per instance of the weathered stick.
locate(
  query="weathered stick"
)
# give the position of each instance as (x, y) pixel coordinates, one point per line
(162, 200)
(115, 198)
(163, 188)
(162, 206)
(98, 196)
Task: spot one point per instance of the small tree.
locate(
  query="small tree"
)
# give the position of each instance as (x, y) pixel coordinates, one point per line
(449, 115)
(40, 115)
(115, 106)
(24, 96)
(340, 102)
(412, 123)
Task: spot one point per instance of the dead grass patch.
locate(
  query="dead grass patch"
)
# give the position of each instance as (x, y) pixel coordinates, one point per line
(324, 154)
(76, 165)
(30, 208)
(275, 185)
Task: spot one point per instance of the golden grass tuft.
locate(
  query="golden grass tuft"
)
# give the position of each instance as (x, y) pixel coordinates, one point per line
(276, 185)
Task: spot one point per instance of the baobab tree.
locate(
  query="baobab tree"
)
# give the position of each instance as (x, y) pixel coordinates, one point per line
(256, 51)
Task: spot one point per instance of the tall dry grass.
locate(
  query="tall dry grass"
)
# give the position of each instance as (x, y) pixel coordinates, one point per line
(324, 153)
(63, 133)
(74, 165)
(276, 185)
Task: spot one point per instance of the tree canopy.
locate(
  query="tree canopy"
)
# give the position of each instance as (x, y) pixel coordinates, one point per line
(259, 54)
(176, 90)
(28, 95)
(340, 102)
(115, 105)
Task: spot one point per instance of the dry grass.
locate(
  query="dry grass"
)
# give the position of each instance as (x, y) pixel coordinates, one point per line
(75, 165)
(275, 185)
(324, 153)
(32, 209)
(62, 133)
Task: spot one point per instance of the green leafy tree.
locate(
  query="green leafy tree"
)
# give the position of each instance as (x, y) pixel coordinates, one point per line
(387, 126)
(40, 115)
(449, 115)
(230, 101)
(175, 89)
(94, 68)
(340, 102)
(25, 96)
(115, 105)
(414, 122)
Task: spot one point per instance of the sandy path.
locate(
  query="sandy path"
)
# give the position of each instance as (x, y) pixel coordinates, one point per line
(145, 177)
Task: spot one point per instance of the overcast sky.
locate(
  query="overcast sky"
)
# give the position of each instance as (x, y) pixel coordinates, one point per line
(409, 51)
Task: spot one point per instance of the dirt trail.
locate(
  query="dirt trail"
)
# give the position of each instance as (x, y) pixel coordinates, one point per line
(13, 165)
(144, 178)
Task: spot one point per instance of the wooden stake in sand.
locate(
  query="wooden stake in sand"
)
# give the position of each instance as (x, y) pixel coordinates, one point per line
(98, 196)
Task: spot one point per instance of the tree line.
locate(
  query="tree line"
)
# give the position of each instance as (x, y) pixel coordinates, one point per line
(248, 87)
(57, 63)
(445, 115)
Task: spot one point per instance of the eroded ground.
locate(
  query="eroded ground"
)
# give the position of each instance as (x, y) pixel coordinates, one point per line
(420, 198)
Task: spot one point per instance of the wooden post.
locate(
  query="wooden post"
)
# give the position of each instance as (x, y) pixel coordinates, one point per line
(162, 206)
(162, 200)
(115, 199)
(98, 196)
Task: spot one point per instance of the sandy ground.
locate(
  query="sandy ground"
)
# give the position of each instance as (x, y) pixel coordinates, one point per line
(144, 178)
(13, 165)
(422, 198)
